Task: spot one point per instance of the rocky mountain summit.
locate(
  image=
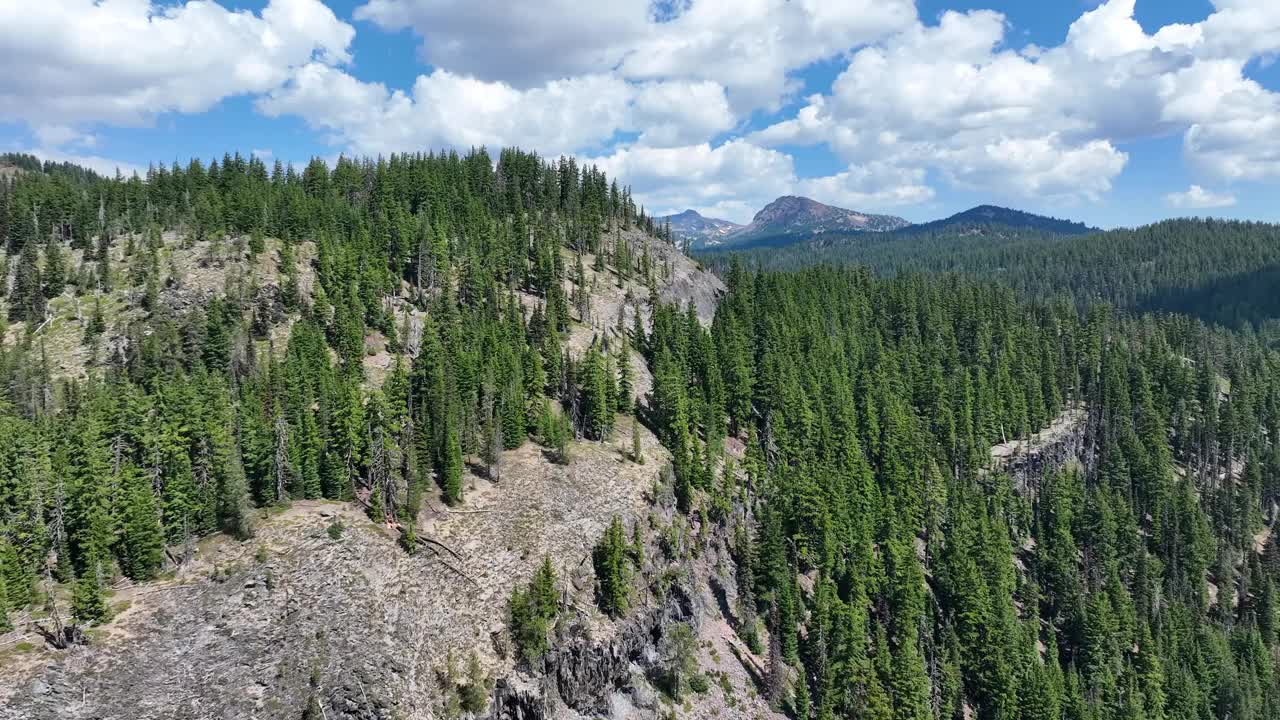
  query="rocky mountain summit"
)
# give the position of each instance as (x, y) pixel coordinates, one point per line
(786, 220)
(790, 218)
(699, 230)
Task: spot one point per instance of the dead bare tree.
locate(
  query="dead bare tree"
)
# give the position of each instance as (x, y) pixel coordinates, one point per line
(280, 466)
(58, 634)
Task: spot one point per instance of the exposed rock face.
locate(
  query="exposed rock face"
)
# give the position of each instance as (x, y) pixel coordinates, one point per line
(1065, 441)
(582, 674)
(353, 624)
(353, 627)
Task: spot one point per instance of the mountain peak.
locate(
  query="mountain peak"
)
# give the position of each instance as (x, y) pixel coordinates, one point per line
(702, 231)
(796, 215)
(985, 215)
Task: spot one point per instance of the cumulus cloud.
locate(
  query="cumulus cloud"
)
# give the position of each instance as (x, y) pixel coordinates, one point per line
(1197, 197)
(101, 165)
(54, 135)
(443, 108)
(523, 44)
(1050, 122)
(649, 87)
(752, 46)
(69, 62)
(729, 181)
(874, 186)
(675, 112)
(748, 47)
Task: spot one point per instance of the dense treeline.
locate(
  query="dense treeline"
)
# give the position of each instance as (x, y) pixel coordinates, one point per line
(1217, 270)
(472, 270)
(881, 558)
(884, 567)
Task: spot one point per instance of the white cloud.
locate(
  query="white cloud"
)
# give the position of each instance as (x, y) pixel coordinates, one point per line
(653, 89)
(752, 46)
(101, 165)
(446, 109)
(523, 44)
(560, 116)
(1035, 167)
(948, 97)
(54, 135)
(748, 47)
(1198, 197)
(872, 186)
(1242, 29)
(69, 62)
(262, 153)
(1049, 122)
(676, 112)
(729, 181)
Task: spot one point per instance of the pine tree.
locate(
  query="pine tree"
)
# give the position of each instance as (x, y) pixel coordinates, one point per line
(451, 462)
(6, 625)
(543, 590)
(88, 599)
(97, 323)
(142, 537)
(232, 498)
(612, 574)
(26, 299)
(637, 452)
(532, 610)
(54, 274)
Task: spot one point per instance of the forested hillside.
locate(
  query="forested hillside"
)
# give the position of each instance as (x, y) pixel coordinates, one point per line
(192, 408)
(878, 557)
(1220, 271)
(798, 491)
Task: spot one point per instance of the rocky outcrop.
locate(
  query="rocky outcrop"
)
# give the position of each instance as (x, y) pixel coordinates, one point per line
(1064, 442)
(582, 674)
(347, 621)
(700, 231)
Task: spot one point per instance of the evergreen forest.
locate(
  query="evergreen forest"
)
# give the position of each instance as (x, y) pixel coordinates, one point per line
(835, 420)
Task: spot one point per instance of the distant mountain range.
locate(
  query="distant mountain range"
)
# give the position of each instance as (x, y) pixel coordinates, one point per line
(703, 231)
(784, 221)
(791, 219)
(989, 215)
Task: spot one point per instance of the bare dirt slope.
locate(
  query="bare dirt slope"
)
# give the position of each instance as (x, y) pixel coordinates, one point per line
(256, 629)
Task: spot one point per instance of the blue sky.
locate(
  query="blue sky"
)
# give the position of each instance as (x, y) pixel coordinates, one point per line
(1115, 113)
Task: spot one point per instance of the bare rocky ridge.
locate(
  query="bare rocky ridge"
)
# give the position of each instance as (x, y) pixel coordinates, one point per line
(255, 629)
(619, 675)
